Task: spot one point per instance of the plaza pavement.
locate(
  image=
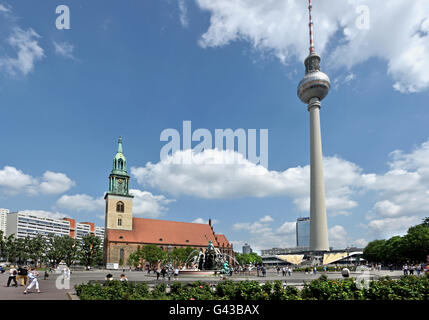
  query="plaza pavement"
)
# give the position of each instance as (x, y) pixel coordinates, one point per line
(49, 290)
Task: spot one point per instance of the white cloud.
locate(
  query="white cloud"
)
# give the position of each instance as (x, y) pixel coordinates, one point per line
(4, 8)
(217, 174)
(337, 236)
(28, 51)
(183, 13)
(55, 183)
(45, 214)
(280, 27)
(80, 202)
(389, 227)
(287, 228)
(13, 181)
(64, 49)
(147, 205)
(201, 220)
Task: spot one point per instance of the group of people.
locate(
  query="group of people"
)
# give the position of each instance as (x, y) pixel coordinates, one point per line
(122, 278)
(261, 269)
(23, 276)
(164, 271)
(409, 269)
(285, 271)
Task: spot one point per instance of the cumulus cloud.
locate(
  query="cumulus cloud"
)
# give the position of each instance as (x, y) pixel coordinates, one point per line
(201, 220)
(263, 235)
(280, 27)
(27, 50)
(80, 202)
(64, 49)
(45, 214)
(218, 174)
(55, 183)
(13, 181)
(389, 227)
(147, 205)
(337, 236)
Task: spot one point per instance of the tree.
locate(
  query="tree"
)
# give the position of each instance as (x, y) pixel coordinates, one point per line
(54, 249)
(374, 250)
(180, 256)
(2, 245)
(69, 247)
(36, 248)
(152, 254)
(248, 258)
(134, 259)
(22, 250)
(417, 243)
(10, 248)
(90, 252)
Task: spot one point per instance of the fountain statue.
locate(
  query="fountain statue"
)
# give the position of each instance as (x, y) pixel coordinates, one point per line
(211, 260)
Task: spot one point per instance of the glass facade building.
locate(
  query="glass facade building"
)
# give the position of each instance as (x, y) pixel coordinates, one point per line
(303, 232)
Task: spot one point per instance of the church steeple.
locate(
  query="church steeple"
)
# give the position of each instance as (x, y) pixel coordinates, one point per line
(119, 178)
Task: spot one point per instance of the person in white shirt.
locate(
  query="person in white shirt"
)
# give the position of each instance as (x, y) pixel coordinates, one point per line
(12, 276)
(32, 277)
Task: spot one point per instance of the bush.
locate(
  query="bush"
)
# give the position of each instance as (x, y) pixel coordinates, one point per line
(406, 288)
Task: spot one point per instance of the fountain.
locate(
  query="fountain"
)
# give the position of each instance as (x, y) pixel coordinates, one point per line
(208, 262)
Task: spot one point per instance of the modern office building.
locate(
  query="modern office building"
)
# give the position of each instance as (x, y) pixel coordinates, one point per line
(303, 232)
(3, 220)
(247, 249)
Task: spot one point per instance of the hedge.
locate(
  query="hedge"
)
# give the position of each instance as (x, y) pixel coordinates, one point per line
(406, 288)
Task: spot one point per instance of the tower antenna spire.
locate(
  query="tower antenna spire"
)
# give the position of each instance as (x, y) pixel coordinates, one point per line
(310, 25)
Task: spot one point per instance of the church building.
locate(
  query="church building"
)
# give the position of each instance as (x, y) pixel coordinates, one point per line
(124, 233)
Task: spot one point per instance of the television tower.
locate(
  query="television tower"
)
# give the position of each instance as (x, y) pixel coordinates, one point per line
(311, 90)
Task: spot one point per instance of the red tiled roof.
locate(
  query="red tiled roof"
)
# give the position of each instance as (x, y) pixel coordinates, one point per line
(171, 232)
(222, 241)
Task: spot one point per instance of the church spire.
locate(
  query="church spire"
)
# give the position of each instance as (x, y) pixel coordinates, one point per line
(120, 145)
(119, 178)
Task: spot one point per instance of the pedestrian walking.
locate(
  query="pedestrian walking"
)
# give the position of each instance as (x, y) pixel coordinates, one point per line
(12, 276)
(158, 273)
(405, 268)
(257, 270)
(411, 270)
(289, 271)
(46, 276)
(264, 271)
(176, 273)
(278, 270)
(284, 271)
(418, 269)
(32, 277)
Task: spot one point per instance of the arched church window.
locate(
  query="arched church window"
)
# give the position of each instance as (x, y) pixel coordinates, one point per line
(120, 207)
(121, 255)
(120, 164)
(119, 222)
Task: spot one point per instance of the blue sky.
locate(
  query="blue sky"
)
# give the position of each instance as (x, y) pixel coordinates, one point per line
(135, 68)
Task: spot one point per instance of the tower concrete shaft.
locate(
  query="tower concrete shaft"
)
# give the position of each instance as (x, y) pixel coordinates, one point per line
(318, 222)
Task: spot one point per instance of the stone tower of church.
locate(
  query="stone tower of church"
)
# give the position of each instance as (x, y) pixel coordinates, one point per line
(119, 203)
